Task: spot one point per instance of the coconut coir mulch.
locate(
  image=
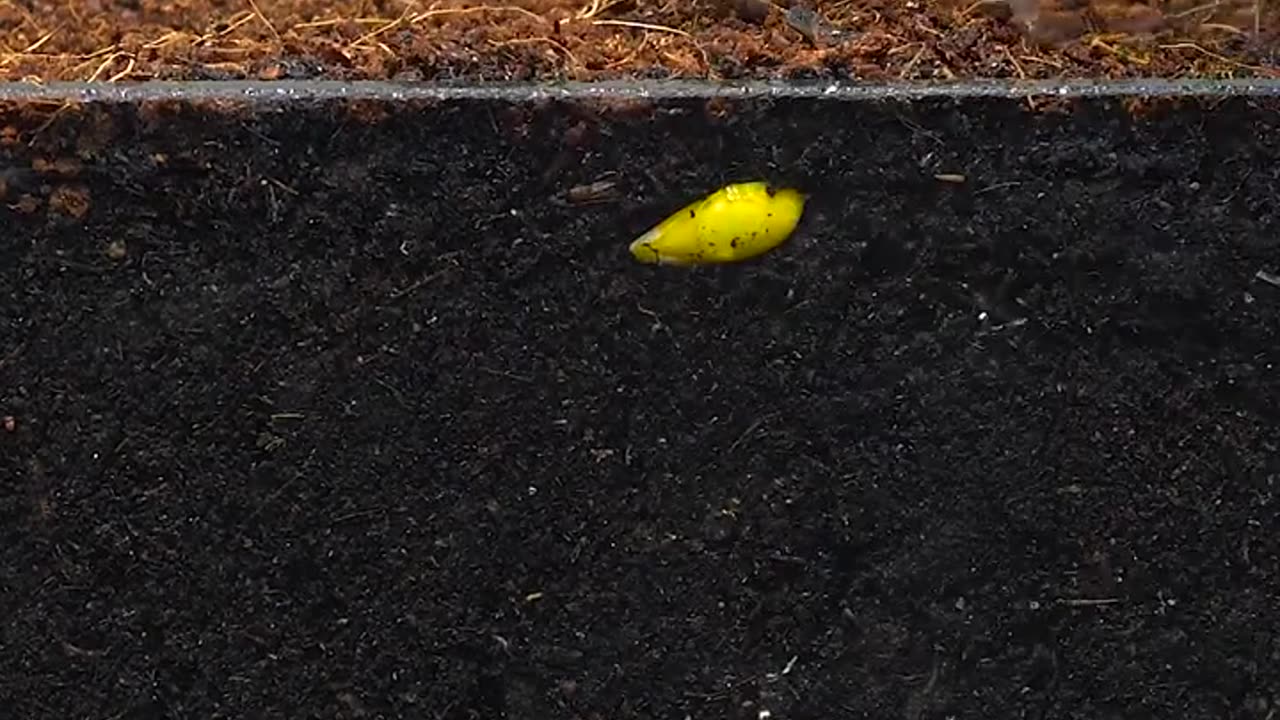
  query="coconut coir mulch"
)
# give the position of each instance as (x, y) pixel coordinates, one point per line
(133, 40)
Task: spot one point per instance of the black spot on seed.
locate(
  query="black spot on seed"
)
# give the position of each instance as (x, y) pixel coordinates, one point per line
(734, 242)
(692, 214)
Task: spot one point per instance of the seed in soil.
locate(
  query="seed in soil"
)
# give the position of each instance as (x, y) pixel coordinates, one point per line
(735, 223)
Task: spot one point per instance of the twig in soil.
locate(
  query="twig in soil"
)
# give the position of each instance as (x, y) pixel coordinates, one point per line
(508, 374)
(385, 28)
(755, 425)
(969, 10)
(26, 14)
(77, 651)
(641, 26)
(258, 11)
(88, 59)
(1223, 27)
(241, 20)
(408, 18)
(166, 39)
(123, 73)
(573, 59)
(1017, 66)
(1088, 602)
(997, 186)
(317, 24)
(911, 64)
(40, 42)
(706, 61)
(395, 393)
(600, 191)
(397, 294)
(1215, 56)
(635, 52)
(1043, 61)
(594, 9)
(1101, 42)
(1209, 7)
(1268, 278)
(35, 134)
(928, 30)
(479, 8)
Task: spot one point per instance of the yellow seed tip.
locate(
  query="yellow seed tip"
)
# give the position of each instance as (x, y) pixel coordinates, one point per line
(642, 251)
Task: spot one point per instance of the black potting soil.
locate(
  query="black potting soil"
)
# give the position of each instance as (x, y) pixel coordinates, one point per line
(331, 408)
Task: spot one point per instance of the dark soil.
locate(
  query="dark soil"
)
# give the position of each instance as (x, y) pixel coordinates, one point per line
(127, 40)
(351, 412)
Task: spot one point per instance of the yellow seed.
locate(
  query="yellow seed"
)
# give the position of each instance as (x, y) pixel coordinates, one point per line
(732, 224)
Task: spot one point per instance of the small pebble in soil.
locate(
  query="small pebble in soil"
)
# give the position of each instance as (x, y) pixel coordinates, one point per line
(811, 25)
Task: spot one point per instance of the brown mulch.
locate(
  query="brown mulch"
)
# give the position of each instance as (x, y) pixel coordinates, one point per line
(133, 40)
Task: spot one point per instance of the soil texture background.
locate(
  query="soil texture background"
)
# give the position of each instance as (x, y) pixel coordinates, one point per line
(362, 410)
(130, 40)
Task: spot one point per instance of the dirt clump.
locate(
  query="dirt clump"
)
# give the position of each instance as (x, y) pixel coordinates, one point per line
(71, 201)
(133, 40)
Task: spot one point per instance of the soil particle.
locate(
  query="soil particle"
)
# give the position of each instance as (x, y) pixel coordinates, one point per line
(71, 201)
(126, 40)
